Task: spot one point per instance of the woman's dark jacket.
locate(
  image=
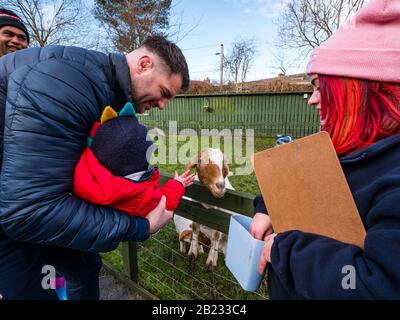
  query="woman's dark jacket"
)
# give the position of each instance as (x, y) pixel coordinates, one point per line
(308, 266)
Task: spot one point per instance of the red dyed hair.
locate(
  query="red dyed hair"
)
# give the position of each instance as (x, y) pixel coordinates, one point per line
(358, 112)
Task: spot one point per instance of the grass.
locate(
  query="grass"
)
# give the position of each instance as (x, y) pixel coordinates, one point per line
(243, 183)
(168, 274)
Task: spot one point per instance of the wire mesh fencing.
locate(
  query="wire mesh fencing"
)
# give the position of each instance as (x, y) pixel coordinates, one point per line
(168, 273)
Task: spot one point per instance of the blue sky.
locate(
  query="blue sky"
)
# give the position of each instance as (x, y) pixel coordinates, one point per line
(225, 21)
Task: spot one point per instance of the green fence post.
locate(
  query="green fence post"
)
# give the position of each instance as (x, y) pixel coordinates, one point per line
(129, 254)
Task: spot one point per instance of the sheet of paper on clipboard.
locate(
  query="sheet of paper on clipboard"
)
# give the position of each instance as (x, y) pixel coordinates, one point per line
(305, 189)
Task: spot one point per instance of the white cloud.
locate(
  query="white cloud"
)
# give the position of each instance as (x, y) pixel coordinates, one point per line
(270, 8)
(266, 8)
(48, 13)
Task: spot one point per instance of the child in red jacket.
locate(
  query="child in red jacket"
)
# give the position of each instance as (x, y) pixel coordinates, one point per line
(114, 169)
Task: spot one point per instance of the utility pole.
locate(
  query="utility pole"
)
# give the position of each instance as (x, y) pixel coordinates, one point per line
(222, 67)
(221, 81)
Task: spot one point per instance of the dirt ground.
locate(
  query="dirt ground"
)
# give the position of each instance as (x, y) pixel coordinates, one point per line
(113, 289)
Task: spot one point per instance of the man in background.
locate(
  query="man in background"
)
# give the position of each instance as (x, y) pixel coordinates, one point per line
(14, 35)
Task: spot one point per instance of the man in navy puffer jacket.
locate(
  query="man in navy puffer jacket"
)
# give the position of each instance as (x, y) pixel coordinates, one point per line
(49, 99)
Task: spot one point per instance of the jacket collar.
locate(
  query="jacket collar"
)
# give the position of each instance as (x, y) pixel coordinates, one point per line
(122, 84)
(143, 175)
(373, 149)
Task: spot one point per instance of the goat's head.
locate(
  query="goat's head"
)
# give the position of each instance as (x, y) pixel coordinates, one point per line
(212, 169)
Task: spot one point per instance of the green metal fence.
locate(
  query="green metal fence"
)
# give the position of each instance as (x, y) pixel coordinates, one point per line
(267, 113)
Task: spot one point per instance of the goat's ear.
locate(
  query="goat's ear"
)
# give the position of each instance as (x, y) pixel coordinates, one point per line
(193, 162)
(225, 168)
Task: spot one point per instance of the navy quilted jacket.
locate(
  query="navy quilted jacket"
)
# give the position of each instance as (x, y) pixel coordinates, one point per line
(49, 98)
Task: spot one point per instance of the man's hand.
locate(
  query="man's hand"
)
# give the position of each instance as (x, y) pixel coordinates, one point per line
(159, 216)
(260, 226)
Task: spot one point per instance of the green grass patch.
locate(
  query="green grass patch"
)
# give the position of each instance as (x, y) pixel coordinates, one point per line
(243, 183)
(169, 274)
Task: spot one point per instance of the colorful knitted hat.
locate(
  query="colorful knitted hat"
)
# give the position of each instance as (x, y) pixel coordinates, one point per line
(121, 143)
(9, 18)
(366, 47)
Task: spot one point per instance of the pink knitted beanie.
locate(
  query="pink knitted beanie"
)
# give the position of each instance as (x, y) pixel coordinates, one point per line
(366, 47)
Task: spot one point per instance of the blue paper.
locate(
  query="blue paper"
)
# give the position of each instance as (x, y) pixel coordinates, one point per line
(243, 253)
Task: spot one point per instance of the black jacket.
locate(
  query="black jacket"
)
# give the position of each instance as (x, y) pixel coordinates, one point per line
(49, 98)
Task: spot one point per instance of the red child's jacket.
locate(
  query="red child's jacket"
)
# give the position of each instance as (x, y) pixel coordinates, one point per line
(96, 184)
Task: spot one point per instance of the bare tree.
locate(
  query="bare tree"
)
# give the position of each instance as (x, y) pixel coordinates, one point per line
(131, 21)
(281, 63)
(52, 22)
(239, 61)
(305, 24)
(284, 61)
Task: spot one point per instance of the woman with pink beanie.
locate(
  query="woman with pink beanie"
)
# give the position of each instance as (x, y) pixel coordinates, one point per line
(356, 79)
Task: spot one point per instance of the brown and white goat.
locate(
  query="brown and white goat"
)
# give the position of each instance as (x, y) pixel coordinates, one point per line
(212, 172)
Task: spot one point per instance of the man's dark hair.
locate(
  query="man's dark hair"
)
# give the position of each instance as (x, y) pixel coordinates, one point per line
(171, 55)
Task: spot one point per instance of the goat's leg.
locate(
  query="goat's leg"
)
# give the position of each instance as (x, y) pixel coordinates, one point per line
(212, 259)
(212, 254)
(194, 243)
(216, 251)
(182, 246)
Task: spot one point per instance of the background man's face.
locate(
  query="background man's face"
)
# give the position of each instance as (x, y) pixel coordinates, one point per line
(12, 39)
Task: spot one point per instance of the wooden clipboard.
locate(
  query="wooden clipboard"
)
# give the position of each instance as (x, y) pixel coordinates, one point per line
(305, 189)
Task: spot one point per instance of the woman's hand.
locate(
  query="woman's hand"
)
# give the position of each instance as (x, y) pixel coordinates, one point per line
(266, 253)
(261, 226)
(261, 229)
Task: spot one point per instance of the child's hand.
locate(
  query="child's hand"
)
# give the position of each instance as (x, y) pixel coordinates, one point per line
(185, 178)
